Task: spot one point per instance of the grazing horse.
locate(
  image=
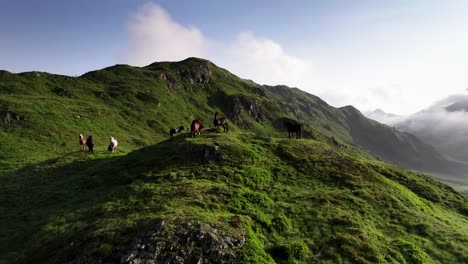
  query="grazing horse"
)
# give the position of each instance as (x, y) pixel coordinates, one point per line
(195, 127)
(220, 121)
(113, 144)
(176, 130)
(82, 142)
(293, 128)
(90, 144)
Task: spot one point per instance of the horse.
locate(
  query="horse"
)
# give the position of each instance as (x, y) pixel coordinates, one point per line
(195, 127)
(90, 144)
(220, 121)
(176, 130)
(113, 144)
(82, 142)
(293, 128)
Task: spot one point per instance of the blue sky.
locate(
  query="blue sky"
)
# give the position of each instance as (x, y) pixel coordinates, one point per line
(396, 55)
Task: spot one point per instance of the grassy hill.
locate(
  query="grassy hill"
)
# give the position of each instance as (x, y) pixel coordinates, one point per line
(140, 105)
(300, 200)
(247, 196)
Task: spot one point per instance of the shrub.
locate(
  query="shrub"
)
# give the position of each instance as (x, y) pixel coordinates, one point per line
(255, 176)
(294, 250)
(281, 223)
(411, 252)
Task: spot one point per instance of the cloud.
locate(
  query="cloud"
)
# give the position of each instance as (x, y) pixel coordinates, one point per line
(384, 118)
(264, 61)
(154, 36)
(388, 97)
(438, 122)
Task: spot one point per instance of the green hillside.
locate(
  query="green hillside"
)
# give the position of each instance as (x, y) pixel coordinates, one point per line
(289, 199)
(248, 196)
(140, 105)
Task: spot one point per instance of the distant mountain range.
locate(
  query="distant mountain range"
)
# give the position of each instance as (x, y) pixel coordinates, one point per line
(383, 117)
(443, 125)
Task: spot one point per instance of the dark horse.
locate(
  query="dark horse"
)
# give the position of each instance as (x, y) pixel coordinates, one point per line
(195, 127)
(176, 130)
(90, 144)
(220, 121)
(293, 128)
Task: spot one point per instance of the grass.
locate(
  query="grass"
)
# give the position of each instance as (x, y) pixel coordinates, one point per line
(297, 201)
(335, 208)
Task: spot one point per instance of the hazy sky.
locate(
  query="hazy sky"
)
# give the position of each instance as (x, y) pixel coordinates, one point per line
(399, 56)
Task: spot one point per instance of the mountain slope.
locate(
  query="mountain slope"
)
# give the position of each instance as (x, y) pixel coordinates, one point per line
(140, 105)
(264, 199)
(248, 196)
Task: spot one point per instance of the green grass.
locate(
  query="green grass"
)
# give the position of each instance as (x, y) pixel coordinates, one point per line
(297, 201)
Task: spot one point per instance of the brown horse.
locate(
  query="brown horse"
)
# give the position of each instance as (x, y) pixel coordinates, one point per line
(82, 142)
(220, 121)
(195, 127)
(293, 128)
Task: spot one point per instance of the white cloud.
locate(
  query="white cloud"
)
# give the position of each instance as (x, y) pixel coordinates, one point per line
(155, 36)
(440, 121)
(264, 61)
(368, 97)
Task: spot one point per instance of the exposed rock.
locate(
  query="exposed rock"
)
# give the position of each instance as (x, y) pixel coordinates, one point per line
(9, 117)
(236, 104)
(211, 154)
(62, 92)
(198, 74)
(163, 76)
(170, 82)
(186, 244)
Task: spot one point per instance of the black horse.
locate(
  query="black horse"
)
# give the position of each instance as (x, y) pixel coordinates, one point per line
(293, 128)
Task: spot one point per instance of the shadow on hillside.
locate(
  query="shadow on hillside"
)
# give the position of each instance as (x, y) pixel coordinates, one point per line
(74, 186)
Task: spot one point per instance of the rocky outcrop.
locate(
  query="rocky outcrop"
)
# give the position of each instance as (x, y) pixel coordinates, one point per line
(62, 92)
(197, 74)
(9, 117)
(188, 243)
(238, 103)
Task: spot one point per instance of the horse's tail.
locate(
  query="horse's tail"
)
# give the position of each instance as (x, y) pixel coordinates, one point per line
(227, 126)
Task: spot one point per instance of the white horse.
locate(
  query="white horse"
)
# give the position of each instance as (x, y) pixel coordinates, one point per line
(113, 144)
(82, 142)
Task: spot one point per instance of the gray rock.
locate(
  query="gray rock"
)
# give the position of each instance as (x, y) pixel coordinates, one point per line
(188, 243)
